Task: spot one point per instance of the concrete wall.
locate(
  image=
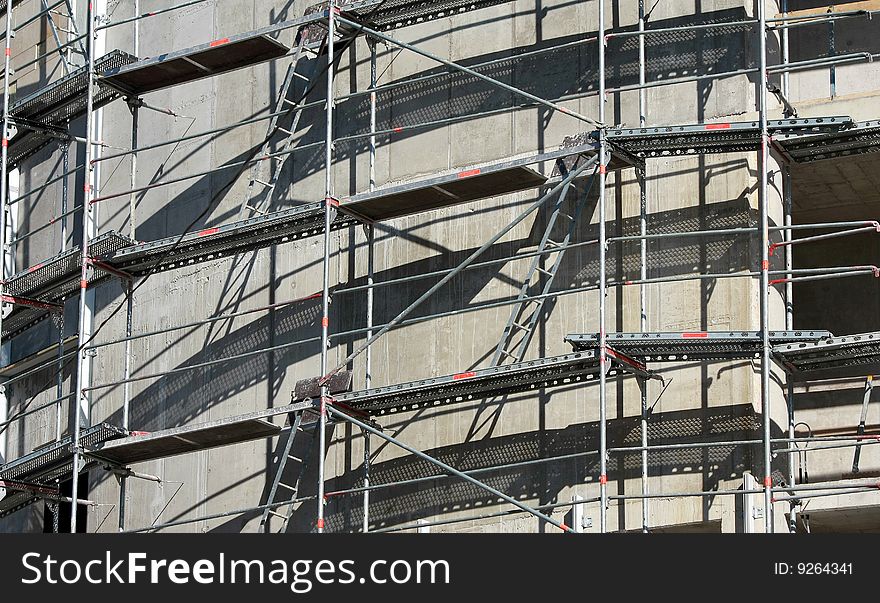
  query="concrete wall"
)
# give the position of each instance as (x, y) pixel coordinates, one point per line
(685, 193)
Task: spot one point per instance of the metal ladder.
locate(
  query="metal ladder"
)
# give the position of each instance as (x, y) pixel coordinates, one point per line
(277, 484)
(526, 313)
(259, 189)
(869, 388)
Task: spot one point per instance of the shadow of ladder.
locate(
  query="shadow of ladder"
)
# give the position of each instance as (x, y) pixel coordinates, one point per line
(258, 196)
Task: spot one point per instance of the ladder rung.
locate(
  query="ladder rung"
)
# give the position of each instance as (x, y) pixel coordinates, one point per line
(263, 182)
(285, 130)
(295, 458)
(521, 327)
(562, 213)
(271, 512)
(551, 243)
(542, 271)
(289, 487)
(300, 76)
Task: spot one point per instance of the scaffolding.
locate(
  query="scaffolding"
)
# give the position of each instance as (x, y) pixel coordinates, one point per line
(46, 116)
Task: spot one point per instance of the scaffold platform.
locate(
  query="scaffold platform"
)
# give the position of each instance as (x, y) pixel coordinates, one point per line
(395, 14)
(860, 351)
(141, 447)
(479, 384)
(45, 465)
(697, 345)
(731, 137)
(54, 279)
(191, 64)
(862, 137)
(42, 116)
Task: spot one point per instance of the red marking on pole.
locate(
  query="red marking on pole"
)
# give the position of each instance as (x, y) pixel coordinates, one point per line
(469, 173)
(603, 479)
(9, 52)
(772, 500)
(768, 482)
(564, 527)
(765, 265)
(772, 248)
(777, 281)
(35, 267)
(333, 202)
(219, 42)
(466, 375)
(698, 335)
(603, 169)
(138, 433)
(717, 126)
(207, 231)
(5, 142)
(87, 188)
(325, 321)
(627, 282)
(83, 284)
(320, 523)
(397, 129)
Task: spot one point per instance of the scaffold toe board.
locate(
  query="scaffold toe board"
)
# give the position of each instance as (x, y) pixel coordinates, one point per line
(664, 141)
(53, 106)
(224, 241)
(395, 14)
(190, 64)
(862, 137)
(860, 351)
(48, 463)
(171, 442)
(54, 279)
(697, 345)
(137, 448)
(484, 383)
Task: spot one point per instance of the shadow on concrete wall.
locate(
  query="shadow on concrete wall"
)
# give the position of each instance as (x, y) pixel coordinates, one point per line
(405, 504)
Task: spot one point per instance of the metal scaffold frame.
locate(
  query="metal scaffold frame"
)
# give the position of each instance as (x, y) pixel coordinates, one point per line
(41, 290)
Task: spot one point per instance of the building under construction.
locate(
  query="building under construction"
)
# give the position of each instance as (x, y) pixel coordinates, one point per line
(440, 265)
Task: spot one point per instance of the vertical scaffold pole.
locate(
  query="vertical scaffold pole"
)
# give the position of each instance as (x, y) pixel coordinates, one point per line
(789, 297)
(4, 200)
(765, 266)
(368, 359)
(643, 266)
(59, 384)
(603, 359)
(80, 402)
(4, 153)
(129, 300)
(325, 294)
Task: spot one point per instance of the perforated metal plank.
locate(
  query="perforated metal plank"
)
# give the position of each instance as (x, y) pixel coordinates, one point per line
(57, 103)
(46, 464)
(54, 279)
(861, 351)
(729, 137)
(136, 449)
(862, 137)
(481, 383)
(396, 14)
(191, 64)
(225, 241)
(698, 345)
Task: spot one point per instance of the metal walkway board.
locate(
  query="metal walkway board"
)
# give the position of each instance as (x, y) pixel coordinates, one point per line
(395, 14)
(667, 141)
(191, 64)
(858, 354)
(863, 137)
(171, 442)
(196, 437)
(698, 345)
(44, 465)
(54, 279)
(479, 383)
(219, 242)
(42, 116)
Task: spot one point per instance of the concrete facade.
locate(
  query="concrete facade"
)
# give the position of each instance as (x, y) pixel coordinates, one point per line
(720, 400)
